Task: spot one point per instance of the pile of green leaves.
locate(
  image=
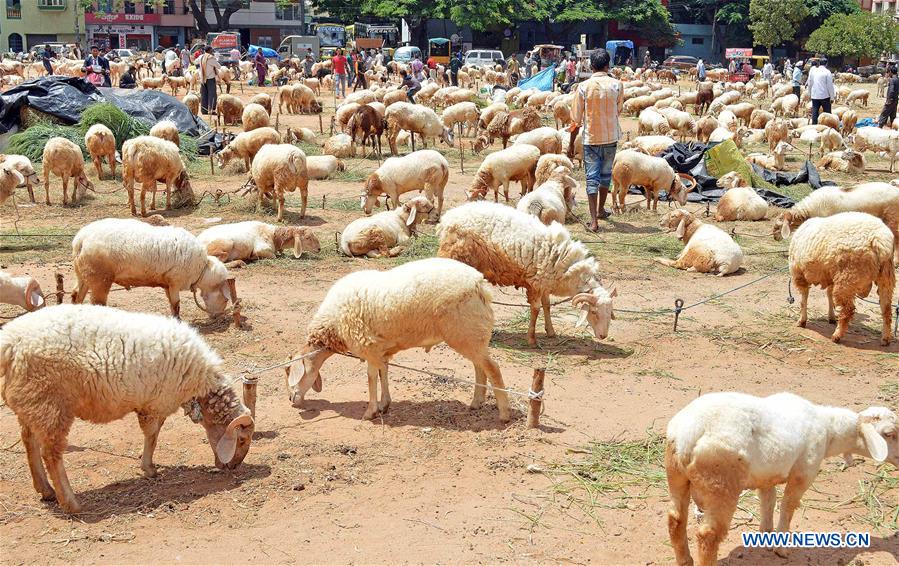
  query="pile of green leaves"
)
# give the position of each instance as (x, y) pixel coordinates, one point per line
(123, 126)
(31, 142)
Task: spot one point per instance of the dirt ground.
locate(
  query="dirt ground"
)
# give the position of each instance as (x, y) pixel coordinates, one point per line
(432, 481)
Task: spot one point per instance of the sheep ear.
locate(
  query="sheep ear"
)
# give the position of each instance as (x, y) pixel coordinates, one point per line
(412, 214)
(875, 443)
(785, 230)
(226, 446)
(294, 377)
(361, 202)
(297, 246)
(681, 228)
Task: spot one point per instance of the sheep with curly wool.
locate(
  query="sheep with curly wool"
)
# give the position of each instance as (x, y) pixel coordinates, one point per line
(246, 145)
(724, 443)
(654, 174)
(515, 163)
(63, 158)
(465, 113)
(228, 109)
(132, 253)
(98, 364)
(264, 100)
(548, 163)
(489, 112)
(740, 202)
(279, 169)
(21, 291)
(254, 116)
(322, 166)
(553, 199)
(240, 242)
(387, 233)
(20, 163)
(504, 125)
(425, 169)
(546, 139)
(100, 143)
(192, 101)
(513, 248)
(416, 119)
(375, 314)
(148, 159)
(846, 254)
(708, 249)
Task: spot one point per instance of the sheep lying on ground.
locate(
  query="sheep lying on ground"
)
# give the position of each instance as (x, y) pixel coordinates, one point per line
(654, 174)
(740, 202)
(21, 291)
(848, 161)
(22, 164)
(708, 248)
(100, 143)
(63, 158)
(132, 253)
(322, 166)
(99, 364)
(723, 443)
(251, 240)
(553, 199)
(339, 145)
(514, 248)
(246, 144)
(385, 234)
(375, 314)
(279, 169)
(776, 161)
(424, 170)
(416, 119)
(148, 159)
(515, 163)
(846, 254)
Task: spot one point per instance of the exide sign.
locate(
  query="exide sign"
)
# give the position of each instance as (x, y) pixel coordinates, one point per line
(133, 19)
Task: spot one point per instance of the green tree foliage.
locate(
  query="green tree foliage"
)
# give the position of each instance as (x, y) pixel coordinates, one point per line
(820, 10)
(861, 34)
(774, 22)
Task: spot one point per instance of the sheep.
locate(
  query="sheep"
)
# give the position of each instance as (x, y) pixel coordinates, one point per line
(300, 134)
(516, 163)
(63, 158)
(708, 248)
(679, 121)
(344, 112)
(775, 161)
(367, 124)
(192, 101)
(459, 95)
(846, 254)
(847, 161)
(395, 96)
(553, 199)
(743, 111)
(9, 180)
(776, 131)
(423, 169)
(21, 164)
(313, 84)
(513, 248)
(246, 145)
(877, 139)
(546, 139)
(860, 95)
(254, 116)
(385, 234)
(561, 108)
(785, 105)
(651, 122)
(547, 164)
(466, 113)
(150, 365)
(148, 159)
(22, 291)
(740, 202)
(251, 240)
(704, 96)
(721, 134)
(728, 120)
(634, 106)
(723, 443)
(704, 128)
(849, 119)
(416, 119)
(264, 100)
(228, 109)
(829, 120)
(152, 82)
(166, 130)
(723, 100)
(100, 143)
(339, 145)
(507, 124)
(760, 118)
(280, 168)
(322, 166)
(654, 174)
(651, 145)
(132, 253)
(225, 76)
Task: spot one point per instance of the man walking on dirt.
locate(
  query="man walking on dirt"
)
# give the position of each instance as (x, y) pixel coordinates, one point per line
(597, 103)
(888, 116)
(820, 87)
(209, 68)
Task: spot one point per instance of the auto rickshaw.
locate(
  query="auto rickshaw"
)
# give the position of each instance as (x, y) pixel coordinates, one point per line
(439, 49)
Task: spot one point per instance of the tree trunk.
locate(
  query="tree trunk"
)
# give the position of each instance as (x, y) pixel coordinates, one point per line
(200, 17)
(714, 32)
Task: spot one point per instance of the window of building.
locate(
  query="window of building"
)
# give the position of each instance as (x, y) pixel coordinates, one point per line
(169, 7)
(265, 41)
(697, 41)
(51, 4)
(288, 13)
(14, 12)
(129, 7)
(15, 43)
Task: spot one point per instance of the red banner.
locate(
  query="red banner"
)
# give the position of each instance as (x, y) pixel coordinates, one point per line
(738, 52)
(130, 19)
(224, 41)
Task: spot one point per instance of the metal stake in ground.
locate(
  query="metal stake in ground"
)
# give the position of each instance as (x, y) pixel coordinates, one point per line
(535, 398)
(678, 307)
(211, 163)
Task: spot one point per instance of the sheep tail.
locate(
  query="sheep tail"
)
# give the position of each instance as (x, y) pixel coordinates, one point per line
(484, 293)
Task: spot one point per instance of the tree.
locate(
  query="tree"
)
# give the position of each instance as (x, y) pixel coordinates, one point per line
(862, 34)
(820, 10)
(774, 22)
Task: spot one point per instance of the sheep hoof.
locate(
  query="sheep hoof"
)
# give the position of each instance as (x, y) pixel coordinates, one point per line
(370, 414)
(383, 406)
(801, 324)
(885, 341)
(48, 495)
(71, 507)
(832, 320)
(836, 338)
(550, 333)
(149, 471)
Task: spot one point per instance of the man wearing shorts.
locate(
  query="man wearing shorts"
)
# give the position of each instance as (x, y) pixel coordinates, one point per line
(597, 103)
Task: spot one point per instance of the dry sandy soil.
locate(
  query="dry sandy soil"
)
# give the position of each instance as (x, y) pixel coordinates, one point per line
(432, 481)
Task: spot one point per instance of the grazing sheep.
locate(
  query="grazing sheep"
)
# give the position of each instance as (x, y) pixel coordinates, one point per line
(704, 128)
(654, 174)
(513, 248)
(254, 116)
(488, 113)
(252, 240)
(280, 168)
(553, 199)
(98, 364)
(723, 443)
(858, 95)
(366, 123)
(849, 120)
(375, 314)
(416, 119)
(561, 108)
(723, 134)
(776, 131)
(132, 253)
(264, 100)
(547, 164)
(100, 143)
(228, 109)
(192, 101)
(708, 248)
(166, 130)
(466, 113)
(651, 122)
(507, 124)
(847, 161)
(63, 158)
(148, 159)
(424, 169)
(785, 105)
(344, 112)
(322, 166)
(385, 234)
(829, 120)
(246, 145)
(679, 121)
(22, 291)
(300, 134)
(21, 164)
(760, 118)
(516, 163)
(740, 202)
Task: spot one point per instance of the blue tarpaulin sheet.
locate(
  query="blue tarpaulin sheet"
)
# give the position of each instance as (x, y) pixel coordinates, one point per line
(266, 52)
(541, 81)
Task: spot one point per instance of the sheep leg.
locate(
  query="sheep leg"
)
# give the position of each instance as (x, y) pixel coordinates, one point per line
(111, 160)
(844, 297)
(150, 426)
(679, 491)
(547, 320)
(304, 196)
(98, 167)
(506, 189)
(38, 473)
(767, 499)
(168, 195)
(280, 197)
(99, 292)
(719, 507)
(65, 190)
(533, 301)
(385, 390)
(480, 388)
(793, 492)
(831, 318)
(30, 188)
(885, 292)
(174, 296)
(803, 304)
(496, 380)
(47, 183)
(373, 377)
(52, 451)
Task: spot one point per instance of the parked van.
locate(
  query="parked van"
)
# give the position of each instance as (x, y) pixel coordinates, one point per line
(296, 46)
(407, 53)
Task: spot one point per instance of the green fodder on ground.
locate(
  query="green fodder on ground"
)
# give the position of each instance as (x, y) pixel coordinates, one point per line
(31, 142)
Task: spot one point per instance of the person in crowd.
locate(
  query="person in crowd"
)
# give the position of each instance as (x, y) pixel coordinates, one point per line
(512, 65)
(128, 78)
(168, 60)
(700, 70)
(185, 59)
(261, 66)
(888, 115)
(768, 70)
(821, 89)
(350, 69)
(454, 67)
(416, 65)
(379, 59)
(788, 69)
(48, 55)
(76, 51)
(412, 85)
(732, 66)
(647, 60)
(97, 64)
(338, 67)
(432, 68)
(597, 103)
(361, 80)
(571, 71)
(796, 78)
(747, 68)
(209, 69)
(307, 65)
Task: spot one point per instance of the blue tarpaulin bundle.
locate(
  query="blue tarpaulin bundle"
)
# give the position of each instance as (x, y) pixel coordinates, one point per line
(541, 81)
(266, 52)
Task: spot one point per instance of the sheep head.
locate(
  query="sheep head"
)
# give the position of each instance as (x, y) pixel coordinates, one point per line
(878, 433)
(373, 188)
(680, 186)
(782, 226)
(224, 156)
(213, 286)
(677, 221)
(447, 136)
(229, 426)
(82, 185)
(480, 186)
(300, 237)
(731, 180)
(417, 210)
(479, 144)
(305, 373)
(598, 311)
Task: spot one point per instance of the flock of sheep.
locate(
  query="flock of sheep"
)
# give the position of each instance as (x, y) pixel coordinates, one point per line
(97, 363)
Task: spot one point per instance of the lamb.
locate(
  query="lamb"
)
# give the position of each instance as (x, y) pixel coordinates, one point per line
(251, 240)
(651, 122)
(228, 109)
(775, 161)
(740, 202)
(516, 163)
(507, 124)
(704, 128)
(547, 164)
(847, 161)
(776, 131)
(423, 169)
(339, 145)
(152, 82)
(132, 253)
(466, 113)
(322, 166)
(254, 116)
(859, 95)
(846, 254)
(654, 174)
(385, 234)
(166, 130)
(192, 101)
(63, 158)
(264, 100)
(246, 145)
(21, 164)
(416, 119)
(100, 143)
(150, 365)
(22, 291)
(366, 124)
(552, 200)
(148, 159)
(280, 168)
(708, 248)
(723, 443)
(877, 139)
(512, 248)
(546, 139)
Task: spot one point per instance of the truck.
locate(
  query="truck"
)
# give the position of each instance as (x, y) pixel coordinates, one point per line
(296, 46)
(222, 43)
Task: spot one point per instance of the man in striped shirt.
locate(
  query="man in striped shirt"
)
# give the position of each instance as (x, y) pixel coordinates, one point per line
(597, 103)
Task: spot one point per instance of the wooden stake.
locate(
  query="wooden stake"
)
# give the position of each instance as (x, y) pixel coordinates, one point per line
(461, 151)
(60, 291)
(534, 405)
(278, 122)
(211, 163)
(321, 127)
(249, 394)
(323, 201)
(232, 286)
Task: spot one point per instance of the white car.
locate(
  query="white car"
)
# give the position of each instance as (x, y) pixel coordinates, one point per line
(485, 58)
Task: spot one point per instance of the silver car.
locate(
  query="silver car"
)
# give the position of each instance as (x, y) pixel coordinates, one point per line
(485, 58)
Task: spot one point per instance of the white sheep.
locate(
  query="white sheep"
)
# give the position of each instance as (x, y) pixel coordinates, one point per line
(651, 145)
(98, 364)
(882, 140)
(553, 199)
(723, 443)
(10, 179)
(740, 202)
(513, 248)
(651, 122)
(100, 143)
(280, 168)
(375, 314)
(264, 100)
(21, 291)
(776, 161)
(166, 130)
(228, 109)
(192, 101)
(465, 113)
(20, 163)
(679, 121)
(488, 113)
(385, 234)
(254, 116)
(322, 166)
(546, 139)
(424, 169)
(246, 145)
(416, 119)
(846, 161)
(654, 174)
(515, 163)
(846, 254)
(548, 163)
(708, 248)
(251, 240)
(340, 145)
(148, 159)
(63, 158)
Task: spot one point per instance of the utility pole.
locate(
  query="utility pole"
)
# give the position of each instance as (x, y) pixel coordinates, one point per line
(302, 17)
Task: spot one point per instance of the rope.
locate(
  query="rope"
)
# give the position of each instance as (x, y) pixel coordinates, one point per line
(519, 305)
(37, 235)
(247, 374)
(93, 190)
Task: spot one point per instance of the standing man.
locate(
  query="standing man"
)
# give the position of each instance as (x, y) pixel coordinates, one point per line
(768, 70)
(234, 56)
(209, 70)
(788, 69)
(571, 71)
(417, 67)
(700, 70)
(185, 59)
(821, 89)
(48, 55)
(889, 106)
(528, 64)
(359, 64)
(261, 66)
(647, 60)
(338, 67)
(796, 79)
(597, 103)
(170, 57)
(512, 65)
(307, 65)
(455, 65)
(350, 76)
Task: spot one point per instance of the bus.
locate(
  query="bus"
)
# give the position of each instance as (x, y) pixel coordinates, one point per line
(333, 35)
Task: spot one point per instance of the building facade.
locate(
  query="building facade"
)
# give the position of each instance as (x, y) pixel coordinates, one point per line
(881, 6)
(26, 23)
(261, 22)
(139, 25)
